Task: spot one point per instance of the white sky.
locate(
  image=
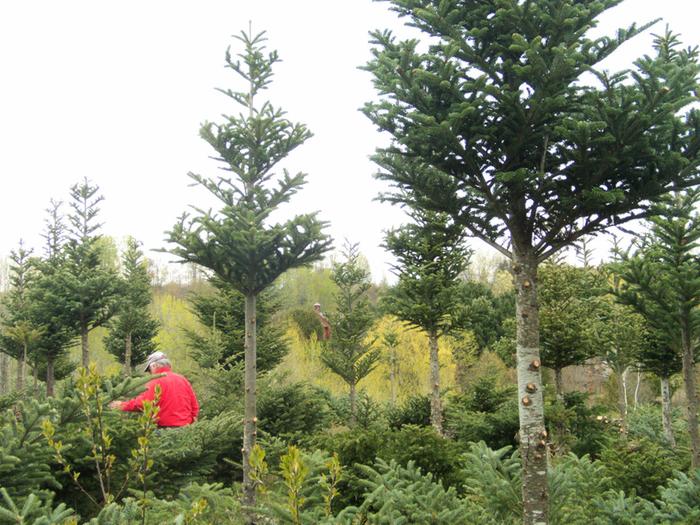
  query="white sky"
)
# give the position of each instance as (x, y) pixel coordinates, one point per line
(116, 91)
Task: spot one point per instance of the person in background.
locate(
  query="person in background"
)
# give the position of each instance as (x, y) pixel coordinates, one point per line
(324, 322)
(178, 404)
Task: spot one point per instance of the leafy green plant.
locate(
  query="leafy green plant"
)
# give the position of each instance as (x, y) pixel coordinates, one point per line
(640, 466)
(398, 495)
(492, 483)
(33, 511)
(413, 411)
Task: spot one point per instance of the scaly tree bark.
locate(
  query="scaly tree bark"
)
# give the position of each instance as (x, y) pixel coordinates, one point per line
(240, 243)
(526, 156)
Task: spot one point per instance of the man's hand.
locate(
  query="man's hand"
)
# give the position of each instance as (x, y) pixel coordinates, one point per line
(116, 405)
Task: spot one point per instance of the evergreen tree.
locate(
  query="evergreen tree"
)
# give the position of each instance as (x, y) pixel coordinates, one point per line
(89, 285)
(222, 315)
(18, 334)
(131, 333)
(241, 244)
(569, 301)
(49, 306)
(348, 354)
(431, 256)
(622, 334)
(523, 153)
(484, 313)
(662, 357)
(661, 280)
(390, 340)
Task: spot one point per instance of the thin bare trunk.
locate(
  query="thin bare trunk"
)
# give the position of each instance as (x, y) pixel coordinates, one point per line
(353, 404)
(127, 354)
(622, 398)
(84, 345)
(393, 376)
(4, 373)
(666, 411)
(22, 368)
(691, 395)
(559, 384)
(435, 401)
(250, 418)
(49, 376)
(533, 436)
(636, 388)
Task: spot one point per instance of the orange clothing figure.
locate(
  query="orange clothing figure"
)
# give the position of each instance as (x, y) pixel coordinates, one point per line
(324, 322)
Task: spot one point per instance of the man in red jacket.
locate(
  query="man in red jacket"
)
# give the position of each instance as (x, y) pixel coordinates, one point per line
(178, 403)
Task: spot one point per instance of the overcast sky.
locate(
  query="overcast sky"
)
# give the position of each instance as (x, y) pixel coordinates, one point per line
(116, 91)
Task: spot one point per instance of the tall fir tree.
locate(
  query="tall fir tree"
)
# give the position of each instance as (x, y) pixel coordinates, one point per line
(525, 155)
(621, 333)
(131, 334)
(431, 256)
(661, 280)
(49, 307)
(347, 353)
(18, 334)
(569, 306)
(241, 244)
(90, 285)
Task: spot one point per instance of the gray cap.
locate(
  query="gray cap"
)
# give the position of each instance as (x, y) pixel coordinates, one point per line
(154, 358)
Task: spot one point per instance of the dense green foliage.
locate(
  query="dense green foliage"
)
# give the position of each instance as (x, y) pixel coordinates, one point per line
(494, 135)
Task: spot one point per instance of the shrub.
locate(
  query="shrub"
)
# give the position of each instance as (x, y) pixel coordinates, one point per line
(430, 452)
(640, 466)
(396, 494)
(293, 409)
(485, 412)
(413, 411)
(576, 427)
(492, 484)
(680, 499)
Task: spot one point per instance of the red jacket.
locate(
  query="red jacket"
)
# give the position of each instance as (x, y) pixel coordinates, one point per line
(178, 403)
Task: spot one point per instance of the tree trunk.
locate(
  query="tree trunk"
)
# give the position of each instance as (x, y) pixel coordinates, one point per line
(666, 411)
(22, 368)
(49, 376)
(84, 345)
(392, 376)
(622, 398)
(250, 418)
(4, 373)
(533, 436)
(127, 354)
(353, 404)
(435, 402)
(559, 384)
(636, 388)
(691, 395)
(35, 375)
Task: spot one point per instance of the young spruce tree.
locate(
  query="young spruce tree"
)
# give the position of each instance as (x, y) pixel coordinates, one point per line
(430, 255)
(18, 335)
(661, 280)
(131, 334)
(90, 287)
(48, 306)
(529, 154)
(348, 354)
(241, 244)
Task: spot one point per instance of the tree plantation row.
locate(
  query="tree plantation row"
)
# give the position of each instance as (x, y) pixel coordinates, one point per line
(441, 398)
